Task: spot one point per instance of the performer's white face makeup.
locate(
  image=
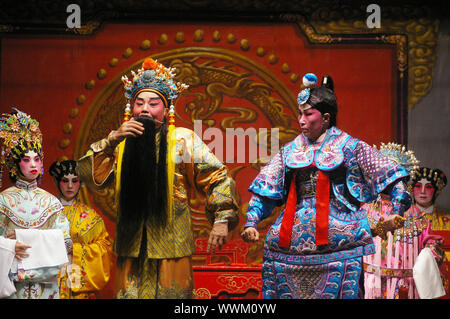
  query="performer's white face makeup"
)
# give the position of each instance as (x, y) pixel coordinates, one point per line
(69, 186)
(423, 193)
(149, 104)
(30, 166)
(312, 122)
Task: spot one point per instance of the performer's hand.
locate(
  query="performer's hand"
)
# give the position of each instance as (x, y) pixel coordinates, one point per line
(217, 237)
(11, 234)
(250, 234)
(127, 129)
(20, 250)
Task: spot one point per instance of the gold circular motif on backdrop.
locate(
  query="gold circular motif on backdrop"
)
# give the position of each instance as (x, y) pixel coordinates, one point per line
(127, 53)
(67, 128)
(145, 45)
(179, 37)
(245, 44)
(81, 99)
(260, 52)
(163, 39)
(64, 143)
(89, 85)
(74, 112)
(101, 74)
(113, 62)
(199, 35)
(231, 38)
(216, 36)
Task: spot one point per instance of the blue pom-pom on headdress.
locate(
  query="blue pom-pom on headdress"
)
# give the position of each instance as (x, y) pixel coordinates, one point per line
(309, 81)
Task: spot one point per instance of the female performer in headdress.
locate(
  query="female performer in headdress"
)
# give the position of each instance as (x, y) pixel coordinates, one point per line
(314, 249)
(26, 206)
(389, 273)
(428, 184)
(92, 255)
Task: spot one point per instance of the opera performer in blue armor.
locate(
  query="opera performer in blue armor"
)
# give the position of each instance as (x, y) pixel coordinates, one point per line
(314, 248)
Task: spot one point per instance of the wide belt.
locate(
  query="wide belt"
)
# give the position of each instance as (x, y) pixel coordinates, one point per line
(388, 272)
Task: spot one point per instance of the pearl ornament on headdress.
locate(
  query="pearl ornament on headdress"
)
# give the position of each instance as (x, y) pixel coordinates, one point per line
(127, 113)
(171, 115)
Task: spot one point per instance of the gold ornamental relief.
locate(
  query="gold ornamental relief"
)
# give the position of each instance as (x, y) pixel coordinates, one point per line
(87, 29)
(202, 293)
(415, 40)
(226, 90)
(401, 43)
(239, 283)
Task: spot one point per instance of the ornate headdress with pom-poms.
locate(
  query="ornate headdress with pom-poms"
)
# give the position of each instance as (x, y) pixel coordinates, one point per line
(153, 77)
(18, 133)
(405, 158)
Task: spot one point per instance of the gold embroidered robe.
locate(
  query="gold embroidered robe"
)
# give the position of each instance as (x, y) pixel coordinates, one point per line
(198, 174)
(440, 221)
(26, 206)
(92, 253)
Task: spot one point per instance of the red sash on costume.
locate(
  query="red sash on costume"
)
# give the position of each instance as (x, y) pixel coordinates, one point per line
(288, 217)
(322, 208)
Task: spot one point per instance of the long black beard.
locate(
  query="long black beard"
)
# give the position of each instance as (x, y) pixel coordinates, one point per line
(143, 189)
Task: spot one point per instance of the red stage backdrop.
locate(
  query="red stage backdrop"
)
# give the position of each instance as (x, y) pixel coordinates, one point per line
(240, 76)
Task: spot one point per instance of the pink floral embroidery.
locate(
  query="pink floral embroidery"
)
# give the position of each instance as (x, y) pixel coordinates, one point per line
(83, 215)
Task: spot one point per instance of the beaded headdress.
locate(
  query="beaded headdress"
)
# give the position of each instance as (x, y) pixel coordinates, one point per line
(405, 158)
(18, 133)
(154, 77)
(435, 176)
(59, 169)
